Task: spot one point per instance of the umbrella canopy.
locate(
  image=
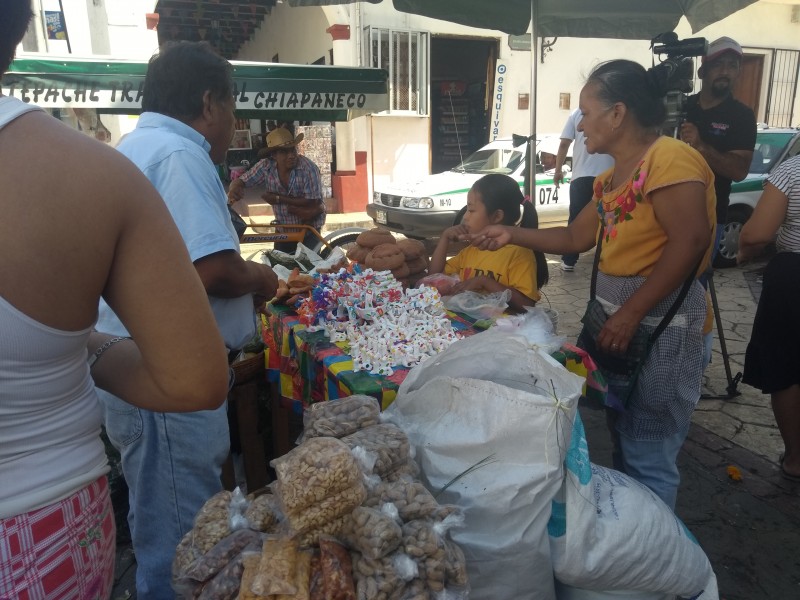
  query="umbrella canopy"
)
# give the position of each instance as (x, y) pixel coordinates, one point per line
(622, 19)
(263, 90)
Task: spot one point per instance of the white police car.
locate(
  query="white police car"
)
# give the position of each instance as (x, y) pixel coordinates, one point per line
(425, 207)
(773, 146)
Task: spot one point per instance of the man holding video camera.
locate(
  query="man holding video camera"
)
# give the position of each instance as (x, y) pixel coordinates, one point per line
(718, 126)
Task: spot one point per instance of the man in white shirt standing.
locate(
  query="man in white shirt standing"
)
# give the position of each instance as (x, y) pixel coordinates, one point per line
(585, 167)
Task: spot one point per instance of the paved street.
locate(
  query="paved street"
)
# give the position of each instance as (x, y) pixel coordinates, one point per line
(750, 529)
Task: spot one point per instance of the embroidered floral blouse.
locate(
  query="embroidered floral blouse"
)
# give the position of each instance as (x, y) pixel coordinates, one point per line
(632, 237)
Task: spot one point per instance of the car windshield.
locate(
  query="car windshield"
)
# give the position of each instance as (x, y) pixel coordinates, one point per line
(492, 160)
(769, 148)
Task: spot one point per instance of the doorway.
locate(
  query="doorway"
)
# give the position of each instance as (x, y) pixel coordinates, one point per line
(748, 86)
(460, 115)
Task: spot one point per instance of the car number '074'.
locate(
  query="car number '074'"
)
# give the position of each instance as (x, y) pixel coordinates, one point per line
(546, 194)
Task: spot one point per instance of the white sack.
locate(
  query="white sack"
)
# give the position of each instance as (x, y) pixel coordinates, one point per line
(609, 532)
(494, 396)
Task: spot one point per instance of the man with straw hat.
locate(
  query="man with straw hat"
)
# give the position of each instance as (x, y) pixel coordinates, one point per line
(293, 185)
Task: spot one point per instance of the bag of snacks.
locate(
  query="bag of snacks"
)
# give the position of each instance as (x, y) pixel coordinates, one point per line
(386, 441)
(372, 533)
(338, 418)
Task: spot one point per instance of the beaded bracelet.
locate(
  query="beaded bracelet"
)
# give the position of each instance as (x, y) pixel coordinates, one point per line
(99, 352)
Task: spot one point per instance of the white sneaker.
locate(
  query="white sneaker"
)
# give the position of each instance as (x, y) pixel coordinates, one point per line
(567, 268)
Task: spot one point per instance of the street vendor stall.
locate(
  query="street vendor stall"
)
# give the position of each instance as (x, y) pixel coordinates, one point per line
(306, 366)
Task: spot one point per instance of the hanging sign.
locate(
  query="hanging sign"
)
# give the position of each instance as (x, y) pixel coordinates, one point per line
(497, 100)
(56, 27)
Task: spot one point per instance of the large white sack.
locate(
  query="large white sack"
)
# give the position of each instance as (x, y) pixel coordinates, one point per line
(609, 532)
(454, 423)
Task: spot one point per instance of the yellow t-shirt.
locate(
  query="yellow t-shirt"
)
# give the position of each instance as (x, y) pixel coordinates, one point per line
(632, 238)
(513, 266)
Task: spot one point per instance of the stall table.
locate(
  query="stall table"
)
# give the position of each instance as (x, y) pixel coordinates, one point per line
(305, 367)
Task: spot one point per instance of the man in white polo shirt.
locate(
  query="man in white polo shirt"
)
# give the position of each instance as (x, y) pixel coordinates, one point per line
(585, 167)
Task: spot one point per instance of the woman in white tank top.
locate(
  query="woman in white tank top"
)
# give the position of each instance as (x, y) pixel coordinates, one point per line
(80, 222)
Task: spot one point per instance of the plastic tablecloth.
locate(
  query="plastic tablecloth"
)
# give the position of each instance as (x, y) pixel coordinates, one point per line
(307, 367)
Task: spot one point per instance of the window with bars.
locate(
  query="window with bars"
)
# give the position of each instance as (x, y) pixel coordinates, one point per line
(405, 55)
(782, 87)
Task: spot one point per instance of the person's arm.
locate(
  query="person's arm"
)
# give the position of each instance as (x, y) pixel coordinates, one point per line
(733, 164)
(579, 236)
(762, 225)
(681, 211)
(227, 275)
(178, 361)
(439, 256)
(309, 180)
(561, 156)
(253, 176)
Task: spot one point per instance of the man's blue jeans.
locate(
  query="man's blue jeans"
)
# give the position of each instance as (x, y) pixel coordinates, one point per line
(172, 464)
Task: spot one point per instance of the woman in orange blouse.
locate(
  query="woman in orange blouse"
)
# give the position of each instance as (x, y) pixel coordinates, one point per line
(654, 212)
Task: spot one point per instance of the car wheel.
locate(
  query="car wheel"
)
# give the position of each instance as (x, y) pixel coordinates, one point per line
(729, 242)
(460, 216)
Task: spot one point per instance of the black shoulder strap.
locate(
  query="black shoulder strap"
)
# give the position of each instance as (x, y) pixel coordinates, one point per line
(672, 309)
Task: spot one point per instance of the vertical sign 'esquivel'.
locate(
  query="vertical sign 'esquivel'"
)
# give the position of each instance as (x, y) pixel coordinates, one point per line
(497, 99)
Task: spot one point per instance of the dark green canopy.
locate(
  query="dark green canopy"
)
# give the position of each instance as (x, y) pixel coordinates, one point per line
(263, 90)
(620, 19)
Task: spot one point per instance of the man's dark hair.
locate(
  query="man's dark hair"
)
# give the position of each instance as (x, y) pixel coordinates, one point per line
(630, 83)
(14, 18)
(178, 77)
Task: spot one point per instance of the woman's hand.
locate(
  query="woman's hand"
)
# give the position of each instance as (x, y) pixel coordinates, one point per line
(455, 233)
(492, 237)
(618, 331)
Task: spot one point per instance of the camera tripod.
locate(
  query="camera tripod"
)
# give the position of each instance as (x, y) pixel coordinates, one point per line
(733, 381)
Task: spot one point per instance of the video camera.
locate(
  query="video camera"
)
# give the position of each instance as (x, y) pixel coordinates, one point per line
(674, 75)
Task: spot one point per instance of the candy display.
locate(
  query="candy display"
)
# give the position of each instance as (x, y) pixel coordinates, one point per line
(384, 325)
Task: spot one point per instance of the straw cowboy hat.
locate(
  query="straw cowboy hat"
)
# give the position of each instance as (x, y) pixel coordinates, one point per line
(277, 139)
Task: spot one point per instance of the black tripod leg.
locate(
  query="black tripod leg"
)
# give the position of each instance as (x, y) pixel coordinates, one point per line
(732, 381)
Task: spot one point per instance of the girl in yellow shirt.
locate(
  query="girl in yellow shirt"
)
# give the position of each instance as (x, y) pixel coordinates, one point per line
(494, 199)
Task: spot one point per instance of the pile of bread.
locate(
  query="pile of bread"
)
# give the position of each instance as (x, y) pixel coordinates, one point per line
(378, 249)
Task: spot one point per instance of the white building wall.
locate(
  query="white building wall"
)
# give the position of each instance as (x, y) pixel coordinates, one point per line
(399, 145)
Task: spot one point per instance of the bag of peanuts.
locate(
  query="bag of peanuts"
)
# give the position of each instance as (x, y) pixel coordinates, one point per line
(317, 469)
(386, 441)
(411, 499)
(371, 532)
(338, 418)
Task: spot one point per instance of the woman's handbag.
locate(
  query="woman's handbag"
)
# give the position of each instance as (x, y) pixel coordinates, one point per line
(621, 370)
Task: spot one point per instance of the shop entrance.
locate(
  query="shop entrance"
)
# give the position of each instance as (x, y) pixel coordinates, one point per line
(462, 70)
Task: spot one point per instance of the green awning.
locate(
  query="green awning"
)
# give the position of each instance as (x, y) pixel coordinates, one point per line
(263, 90)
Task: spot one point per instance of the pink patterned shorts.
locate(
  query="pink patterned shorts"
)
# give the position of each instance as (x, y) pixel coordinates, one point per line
(63, 551)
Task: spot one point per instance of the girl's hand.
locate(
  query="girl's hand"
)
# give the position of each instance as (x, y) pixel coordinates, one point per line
(492, 237)
(455, 233)
(482, 283)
